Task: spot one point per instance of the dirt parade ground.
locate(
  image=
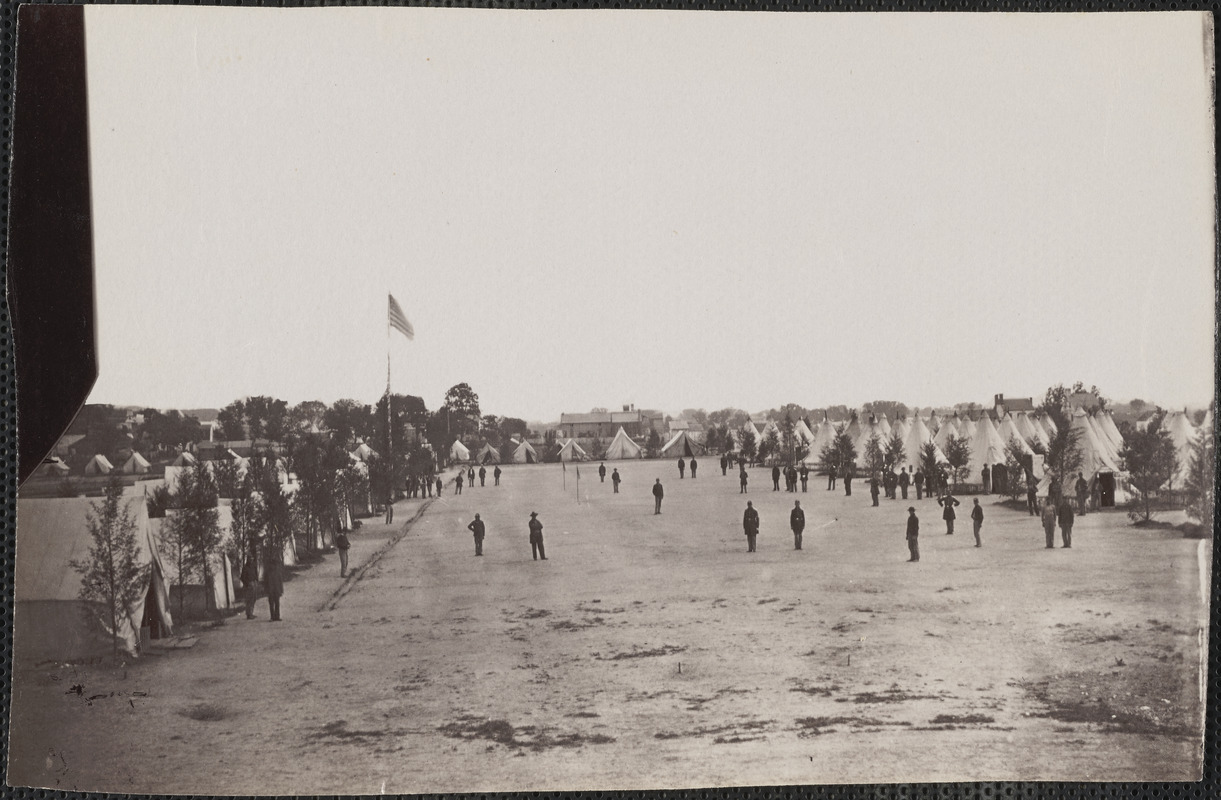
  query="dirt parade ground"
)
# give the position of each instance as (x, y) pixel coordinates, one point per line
(654, 651)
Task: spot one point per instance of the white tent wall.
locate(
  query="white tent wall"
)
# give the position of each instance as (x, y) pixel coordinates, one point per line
(459, 452)
(987, 447)
(1183, 434)
(918, 436)
(525, 454)
(488, 455)
(1008, 430)
(98, 465)
(571, 451)
(622, 447)
(50, 620)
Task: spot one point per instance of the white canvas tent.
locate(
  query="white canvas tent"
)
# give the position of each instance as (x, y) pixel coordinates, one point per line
(883, 427)
(824, 436)
(1008, 430)
(1183, 434)
(622, 447)
(1095, 460)
(459, 452)
(803, 432)
(50, 619)
(967, 426)
(487, 455)
(918, 435)
(184, 459)
(363, 452)
(525, 454)
(987, 447)
(136, 464)
(682, 445)
(571, 451)
(1106, 424)
(1030, 429)
(98, 465)
(933, 423)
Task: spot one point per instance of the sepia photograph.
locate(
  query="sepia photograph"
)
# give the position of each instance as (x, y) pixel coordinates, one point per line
(503, 400)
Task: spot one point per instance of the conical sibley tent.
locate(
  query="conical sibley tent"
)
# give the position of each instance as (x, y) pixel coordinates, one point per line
(803, 432)
(1030, 429)
(1096, 426)
(824, 437)
(622, 447)
(488, 455)
(987, 447)
(933, 423)
(682, 445)
(571, 451)
(525, 454)
(1106, 423)
(917, 437)
(1008, 430)
(883, 427)
(363, 452)
(967, 426)
(459, 452)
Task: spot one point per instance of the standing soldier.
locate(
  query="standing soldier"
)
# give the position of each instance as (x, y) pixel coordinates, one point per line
(476, 527)
(750, 523)
(470, 477)
(724, 465)
(440, 486)
(693, 466)
(848, 480)
(342, 545)
(1083, 490)
(1066, 523)
(986, 477)
(682, 465)
(1049, 522)
(615, 480)
(496, 476)
(913, 534)
(775, 478)
(273, 578)
(250, 577)
(483, 474)
(458, 483)
(904, 482)
(536, 537)
(831, 478)
(602, 472)
(742, 481)
(873, 487)
(797, 521)
(977, 520)
(947, 502)
(658, 493)
(1032, 498)
(918, 479)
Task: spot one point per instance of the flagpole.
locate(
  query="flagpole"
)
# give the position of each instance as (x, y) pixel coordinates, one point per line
(389, 426)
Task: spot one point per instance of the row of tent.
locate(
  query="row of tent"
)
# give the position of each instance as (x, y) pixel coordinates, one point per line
(523, 453)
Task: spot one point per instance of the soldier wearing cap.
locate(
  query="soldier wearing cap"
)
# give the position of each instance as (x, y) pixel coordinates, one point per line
(913, 534)
(536, 537)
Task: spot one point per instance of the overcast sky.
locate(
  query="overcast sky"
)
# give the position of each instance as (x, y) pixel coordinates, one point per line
(580, 209)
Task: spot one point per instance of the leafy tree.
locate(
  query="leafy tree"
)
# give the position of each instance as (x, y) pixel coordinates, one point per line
(712, 439)
(653, 444)
(929, 463)
(1200, 484)
(318, 465)
(730, 417)
(1151, 461)
(349, 420)
(840, 455)
(462, 404)
(1136, 404)
(1015, 467)
(231, 419)
(490, 428)
(266, 418)
(1063, 458)
(512, 426)
(247, 517)
(159, 501)
(875, 456)
(306, 415)
(893, 409)
(749, 446)
(111, 574)
(895, 449)
(193, 532)
(770, 447)
(791, 410)
(958, 453)
(698, 415)
(68, 488)
(227, 475)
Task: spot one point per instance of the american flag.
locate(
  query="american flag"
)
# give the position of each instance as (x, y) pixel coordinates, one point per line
(398, 320)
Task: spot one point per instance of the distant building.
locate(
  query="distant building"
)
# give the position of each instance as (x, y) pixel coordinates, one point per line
(1002, 405)
(604, 424)
(1089, 401)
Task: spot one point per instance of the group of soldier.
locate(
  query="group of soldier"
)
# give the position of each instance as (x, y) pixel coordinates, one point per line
(467, 477)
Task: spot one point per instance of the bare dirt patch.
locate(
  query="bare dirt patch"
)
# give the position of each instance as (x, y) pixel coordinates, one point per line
(526, 737)
(664, 650)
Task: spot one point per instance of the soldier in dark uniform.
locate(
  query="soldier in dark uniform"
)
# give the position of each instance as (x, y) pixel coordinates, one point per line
(682, 465)
(615, 479)
(913, 534)
(1049, 522)
(724, 465)
(496, 476)
(273, 578)
(797, 521)
(342, 545)
(693, 468)
(750, 524)
(440, 486)
(977, 520)
(1083, 491)
(947, 502)
(1066, 523)
(831, 478)
(1032, 498)
(848, 481)
(918, 479)
(536, 537)
(250, 577)
(775, 478)
(658, 493)
(477, 528)
(742, 481)
(483, 474)
(602, 473)
(873, 487)
(470, 477)
(904, 482)
(458, 484)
